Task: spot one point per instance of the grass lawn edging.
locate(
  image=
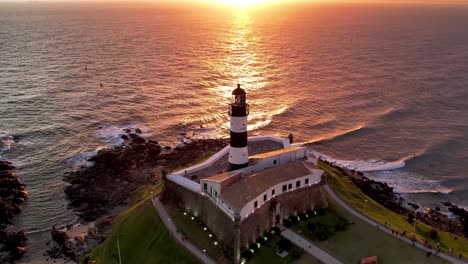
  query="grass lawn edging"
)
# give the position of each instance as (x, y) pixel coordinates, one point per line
(354, 197)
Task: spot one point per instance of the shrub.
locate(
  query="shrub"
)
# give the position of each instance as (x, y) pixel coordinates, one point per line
(296, 253)
(294, 219)
(320, 211)
(433, 234)
(284, 244)
(411, 218)
(287, 223)
(261, 241)
(247, 255)
(311, 227)
(341, 224)
(323, 232)
(275, 230)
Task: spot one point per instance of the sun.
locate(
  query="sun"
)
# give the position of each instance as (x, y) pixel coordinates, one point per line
(244, 3)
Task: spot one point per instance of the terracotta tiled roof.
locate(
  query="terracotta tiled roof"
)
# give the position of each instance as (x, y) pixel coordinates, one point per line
(252, 185)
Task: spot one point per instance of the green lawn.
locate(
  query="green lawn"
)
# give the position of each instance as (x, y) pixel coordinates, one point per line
(360, 240)
(196, 233)
(143, 238)
(347, 191)
(266, 254)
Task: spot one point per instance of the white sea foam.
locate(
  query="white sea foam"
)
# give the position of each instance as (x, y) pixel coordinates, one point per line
(364, 166)
(5, 142)
(391, 173)
(110, 135)
(81, 161)
(410, 182)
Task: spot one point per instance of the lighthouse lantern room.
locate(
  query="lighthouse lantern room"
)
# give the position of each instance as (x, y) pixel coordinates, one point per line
(238, 112)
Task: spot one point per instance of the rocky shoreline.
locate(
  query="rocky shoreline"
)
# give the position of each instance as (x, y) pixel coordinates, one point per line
(385, 195)
(12, 195)
(116, 175)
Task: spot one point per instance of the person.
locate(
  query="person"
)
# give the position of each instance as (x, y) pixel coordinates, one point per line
(460, 256)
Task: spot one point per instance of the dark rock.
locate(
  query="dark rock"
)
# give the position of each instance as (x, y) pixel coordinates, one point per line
(94, 191)
(385, 195)
(12, 194)
(6, 165)
(124, 137)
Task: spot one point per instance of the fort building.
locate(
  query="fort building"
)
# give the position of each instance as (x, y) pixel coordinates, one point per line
(239, 197)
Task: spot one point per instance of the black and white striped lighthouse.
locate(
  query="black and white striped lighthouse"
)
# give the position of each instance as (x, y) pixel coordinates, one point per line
(238, 111)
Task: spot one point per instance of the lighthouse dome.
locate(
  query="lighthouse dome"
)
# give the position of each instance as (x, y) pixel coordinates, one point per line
(238, 91)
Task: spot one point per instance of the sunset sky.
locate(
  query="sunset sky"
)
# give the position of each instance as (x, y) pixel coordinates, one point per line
(253, 2)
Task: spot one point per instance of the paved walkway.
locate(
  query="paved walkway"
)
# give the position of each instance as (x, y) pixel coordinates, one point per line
(309, 247)
(384, 229)
(204, 258)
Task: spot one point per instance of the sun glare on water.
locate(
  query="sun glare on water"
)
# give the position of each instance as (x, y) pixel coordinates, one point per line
(244, 3)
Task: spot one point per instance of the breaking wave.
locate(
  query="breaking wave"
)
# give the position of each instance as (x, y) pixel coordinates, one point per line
(110, 135)
(404, 182)
(411, 183)
(81, 160)
(339, 134)
(364, 166)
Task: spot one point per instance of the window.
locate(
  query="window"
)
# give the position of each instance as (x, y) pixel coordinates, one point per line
(255, 204)
(298, 184)
(216, 194)
(205, 186)
(290, 186)
(274, 162)
(307, 181)
(264, 197)
(272, 192)
(284, 188)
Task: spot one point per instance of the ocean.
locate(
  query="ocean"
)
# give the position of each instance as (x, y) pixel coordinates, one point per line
(379, 88)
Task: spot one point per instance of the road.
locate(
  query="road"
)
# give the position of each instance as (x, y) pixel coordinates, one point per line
(384, 229)
(309, 247)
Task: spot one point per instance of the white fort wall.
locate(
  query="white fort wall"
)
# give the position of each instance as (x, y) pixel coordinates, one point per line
(209, 162)
(178, 176)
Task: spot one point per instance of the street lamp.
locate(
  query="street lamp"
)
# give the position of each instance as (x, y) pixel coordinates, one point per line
(204, 255)
(414, 226)
(365, 206)
(118, 248)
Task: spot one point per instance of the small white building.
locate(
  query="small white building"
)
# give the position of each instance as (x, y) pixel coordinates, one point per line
(278, 157)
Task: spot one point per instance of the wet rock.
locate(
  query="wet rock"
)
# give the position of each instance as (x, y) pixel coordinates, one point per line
(385, 195)
(12, 194)
(128, 167)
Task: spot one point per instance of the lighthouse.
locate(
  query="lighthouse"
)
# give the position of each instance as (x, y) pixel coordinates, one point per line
(238, 112)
